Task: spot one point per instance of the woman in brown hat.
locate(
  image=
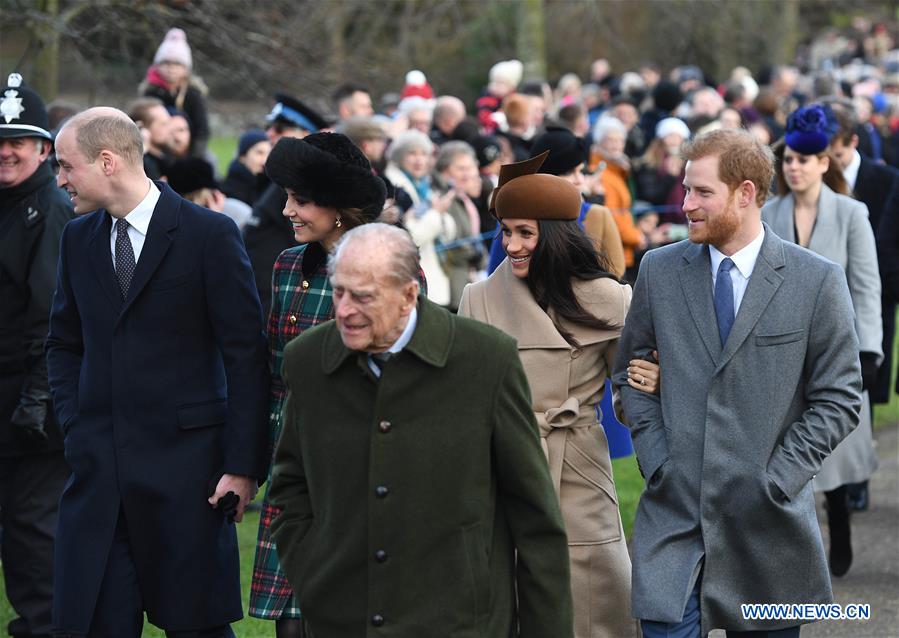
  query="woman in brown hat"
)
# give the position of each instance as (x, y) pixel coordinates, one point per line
(554, 293)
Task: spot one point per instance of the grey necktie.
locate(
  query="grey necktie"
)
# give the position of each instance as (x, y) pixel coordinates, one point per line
(124, 256)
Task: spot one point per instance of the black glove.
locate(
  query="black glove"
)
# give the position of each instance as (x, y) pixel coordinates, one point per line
(228, 503)
(869, 370)
(28, 418)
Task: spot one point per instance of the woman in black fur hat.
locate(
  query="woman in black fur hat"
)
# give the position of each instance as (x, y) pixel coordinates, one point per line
(330, 189)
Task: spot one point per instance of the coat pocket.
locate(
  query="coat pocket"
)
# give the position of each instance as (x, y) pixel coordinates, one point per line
(168, 282)
(201, 415)
(477, 559)
(779, 339)
(587, 494)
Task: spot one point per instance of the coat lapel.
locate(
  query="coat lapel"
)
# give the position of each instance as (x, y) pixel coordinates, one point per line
(825, 228)
(763, 283)
(101, 258)
(781, 218)
(696, 282)
(157, 242)
(518, 314)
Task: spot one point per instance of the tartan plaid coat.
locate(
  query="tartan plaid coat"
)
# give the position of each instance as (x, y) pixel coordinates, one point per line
(301, 299)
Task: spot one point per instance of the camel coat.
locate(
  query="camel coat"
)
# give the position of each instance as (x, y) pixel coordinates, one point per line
(566, 386)
(601, 227)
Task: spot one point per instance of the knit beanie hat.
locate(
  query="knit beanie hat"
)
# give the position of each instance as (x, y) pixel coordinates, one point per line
(174, 49)
(191, 174)
(508, 71)
(667, 96)
(417, 85)
(672, 125)
(250, 139)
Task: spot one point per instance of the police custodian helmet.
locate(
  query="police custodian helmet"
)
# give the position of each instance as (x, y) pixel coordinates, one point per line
(22, 111)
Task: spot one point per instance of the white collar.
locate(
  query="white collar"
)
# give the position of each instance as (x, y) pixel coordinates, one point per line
(139, 217)
(744, 259)
(850, 173)
(404, 339)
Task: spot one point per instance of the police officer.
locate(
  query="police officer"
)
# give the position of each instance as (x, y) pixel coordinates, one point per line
(33, 211)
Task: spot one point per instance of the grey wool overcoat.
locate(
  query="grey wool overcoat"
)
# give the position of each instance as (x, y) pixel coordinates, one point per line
(730, 446)
(420, 503)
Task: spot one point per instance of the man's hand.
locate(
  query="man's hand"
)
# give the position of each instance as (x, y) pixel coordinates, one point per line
(244, 487)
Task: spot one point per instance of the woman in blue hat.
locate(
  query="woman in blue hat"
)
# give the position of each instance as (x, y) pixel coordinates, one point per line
(813, 209)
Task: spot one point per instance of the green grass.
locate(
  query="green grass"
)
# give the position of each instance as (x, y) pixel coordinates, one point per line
(224, 149)
(629, 485)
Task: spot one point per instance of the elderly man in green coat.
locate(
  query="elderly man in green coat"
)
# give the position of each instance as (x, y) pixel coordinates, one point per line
(416, 500)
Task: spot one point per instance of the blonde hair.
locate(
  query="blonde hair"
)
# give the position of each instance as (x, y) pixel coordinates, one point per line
(108, 129)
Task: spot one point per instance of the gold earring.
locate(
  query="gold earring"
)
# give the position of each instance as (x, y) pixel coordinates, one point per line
(337, 222)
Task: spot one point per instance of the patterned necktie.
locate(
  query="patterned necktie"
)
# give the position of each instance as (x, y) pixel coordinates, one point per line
(724, 299)
(124, 256)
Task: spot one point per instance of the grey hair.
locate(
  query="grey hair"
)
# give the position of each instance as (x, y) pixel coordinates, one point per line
(403, 265)
(448, 105)
(450, 151)
(407, 142)
(605, 125)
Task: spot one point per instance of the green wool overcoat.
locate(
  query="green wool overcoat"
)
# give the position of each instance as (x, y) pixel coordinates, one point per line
(405, 498)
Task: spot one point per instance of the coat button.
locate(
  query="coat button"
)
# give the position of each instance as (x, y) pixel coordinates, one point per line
(382, 491)
(292, 319)
(575, 353)
(384, 427)
(305, 285)
(380, 555)
(377, 620)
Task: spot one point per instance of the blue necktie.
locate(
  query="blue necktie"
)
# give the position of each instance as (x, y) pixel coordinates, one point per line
(724, 299)
(124, 256)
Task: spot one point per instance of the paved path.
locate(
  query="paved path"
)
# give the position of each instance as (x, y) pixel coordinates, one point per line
(874, 577)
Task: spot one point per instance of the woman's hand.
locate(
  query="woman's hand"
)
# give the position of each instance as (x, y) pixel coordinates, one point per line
(441, 203)
(644, 375)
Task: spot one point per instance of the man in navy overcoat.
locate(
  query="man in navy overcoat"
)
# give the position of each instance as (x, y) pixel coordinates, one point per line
(157, 365)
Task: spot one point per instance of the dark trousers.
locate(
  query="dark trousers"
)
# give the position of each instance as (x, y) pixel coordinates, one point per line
(120, 610)
(30, 487)
(689, 627)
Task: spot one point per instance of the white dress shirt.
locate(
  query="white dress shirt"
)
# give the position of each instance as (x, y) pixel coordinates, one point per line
(851, 171)
(400, 343)
(139, 220)
(744, 262)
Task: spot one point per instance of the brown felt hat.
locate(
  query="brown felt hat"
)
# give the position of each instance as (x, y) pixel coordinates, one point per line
(523, 193)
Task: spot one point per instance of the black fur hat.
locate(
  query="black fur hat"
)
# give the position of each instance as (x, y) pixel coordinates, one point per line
(328, 169)
(566, 150)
